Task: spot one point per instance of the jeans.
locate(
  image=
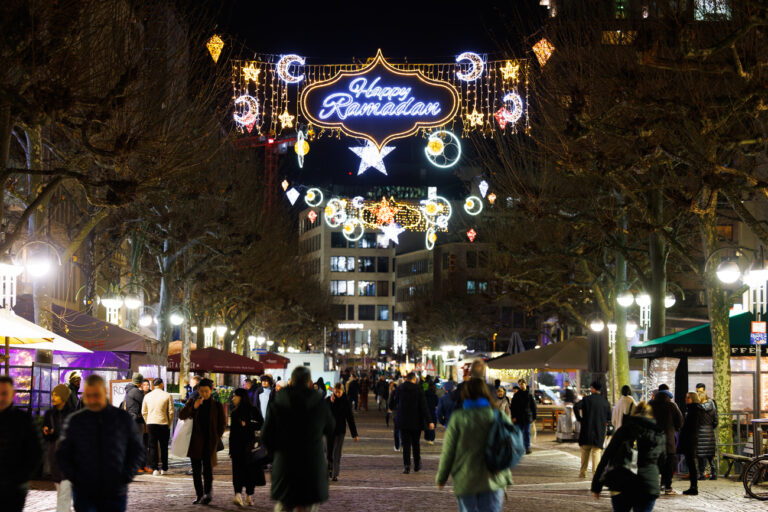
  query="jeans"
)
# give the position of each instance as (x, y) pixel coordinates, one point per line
(241, 474)
(84, 503)
(589, 452)
(354, 399)
(397, 438)
(158, 436)
(526, 428)
(643, 503)
(411, 440)
(202, 475)
(335, 444)
(667, 470)
(491, 501)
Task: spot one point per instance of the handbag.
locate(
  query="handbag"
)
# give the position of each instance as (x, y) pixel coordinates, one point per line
(181, 438)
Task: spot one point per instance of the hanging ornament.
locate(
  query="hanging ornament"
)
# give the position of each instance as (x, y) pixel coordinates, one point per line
(391, 233)
(251, 73)
(370, 156)
(471, 234)
(215, 45)
(543, 50)
(430, 238)
(491, 198)
(335, 213)
(292, 195)
(353, 229)
(301, 147)
(476, 70)
(504, 115)
(385, 214)
(483, 187)
(357, 202)
(313, 197)
(443, 149)
(250, 115)
(509, 71)
(285, 184)
(286, 120)
(283, 68)
(473, 205)
(475, 118)
(312, 216)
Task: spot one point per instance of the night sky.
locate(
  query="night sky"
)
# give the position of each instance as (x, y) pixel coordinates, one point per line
(339, 32)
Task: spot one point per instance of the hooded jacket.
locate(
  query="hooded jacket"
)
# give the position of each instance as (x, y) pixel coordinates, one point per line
(668, 417)
(708, 422)
(651, 444)
(296, 422)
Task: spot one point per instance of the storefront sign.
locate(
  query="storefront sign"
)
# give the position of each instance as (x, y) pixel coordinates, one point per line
(380, 102)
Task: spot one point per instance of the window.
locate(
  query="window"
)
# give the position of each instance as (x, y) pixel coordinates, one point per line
(382, 313)
(711, 10)
(338, 241)
(383, 264)
(482, 287)
(471, 287)
(342, 287)
(366, 312)
(368, 241)
(471, 259)
(414, 268)
(366, 264)
(351, 312)
(339, 311)
(725, 232)
(382, 288)
(342, 263)
(483, 259)
(385, 337)
(445, 261)
(366, 288)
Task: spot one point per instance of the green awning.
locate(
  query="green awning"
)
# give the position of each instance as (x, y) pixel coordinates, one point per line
(697, 341)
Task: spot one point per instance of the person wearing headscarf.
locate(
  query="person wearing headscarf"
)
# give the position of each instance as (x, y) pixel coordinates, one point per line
(246, 421)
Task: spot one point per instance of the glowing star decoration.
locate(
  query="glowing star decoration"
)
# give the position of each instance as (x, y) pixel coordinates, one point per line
(491, 198)
(285, 184)
(483, 187)
(215, 45)
(370, 156)
(301, 147)
(443, 149)
(312, 215)
(286, 120)
(357, 202)
(475, 118)
(391, 233)
(473, 205)
(250, 114)
(471, 234)
(353, 229)
(251, 73)
(313, 197)
(543, 50)
(477, 67)
(504, 115)
(283, 68)
(385, 214)
(430, 239)
(292, 195)
(510, 71)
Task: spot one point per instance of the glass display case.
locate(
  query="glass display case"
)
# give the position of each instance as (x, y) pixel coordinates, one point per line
(33, 385)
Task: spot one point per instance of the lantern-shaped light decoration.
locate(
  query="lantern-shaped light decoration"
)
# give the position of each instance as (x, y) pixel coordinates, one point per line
(8, 274)
(215, 44)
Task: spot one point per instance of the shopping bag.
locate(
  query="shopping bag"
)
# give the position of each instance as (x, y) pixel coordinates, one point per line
(181, 438)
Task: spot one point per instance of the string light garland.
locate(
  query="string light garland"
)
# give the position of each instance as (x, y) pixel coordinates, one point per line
(385, 214)
(370, 156)
(250, 114)
(251, 72)
(215, 45)
(286, 120)
(510, 71)
(475, 118)
(543, 50)
(504, 115)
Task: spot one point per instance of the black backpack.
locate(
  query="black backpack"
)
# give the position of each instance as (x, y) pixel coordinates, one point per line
(505, 445)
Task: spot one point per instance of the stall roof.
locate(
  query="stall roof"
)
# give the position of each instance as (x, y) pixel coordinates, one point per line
(274, 361)
(85, 330)
(697, 341)
(217, 361)
(571, 354)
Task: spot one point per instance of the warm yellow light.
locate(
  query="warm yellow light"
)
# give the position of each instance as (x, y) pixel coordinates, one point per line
(509, 71)
(475, 118)
(285, 184)
(432, 208)
(435, 146)
(491, 198)
(251, 72)
(286, 120)
(215, 45)
(330, 211)
(543, 50)
(433, 237)
(301, 147)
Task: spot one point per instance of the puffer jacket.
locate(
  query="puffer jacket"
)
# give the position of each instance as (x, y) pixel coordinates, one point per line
(708, 422)
(100, 452)
(651, 449)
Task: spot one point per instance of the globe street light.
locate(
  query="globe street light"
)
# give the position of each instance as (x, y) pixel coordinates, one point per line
(597, 325)
(221, 330)
(728, 272)
(176, 319)
(626, 299)
(146, 320)
(132, 301)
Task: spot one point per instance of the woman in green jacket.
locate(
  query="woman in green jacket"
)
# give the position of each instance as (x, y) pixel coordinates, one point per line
(463, 457)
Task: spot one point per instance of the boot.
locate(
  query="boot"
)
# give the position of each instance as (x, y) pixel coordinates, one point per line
(693, 491)
(407, 470)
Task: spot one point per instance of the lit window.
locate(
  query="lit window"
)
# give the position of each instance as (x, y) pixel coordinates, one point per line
(712, 10)
(366, 288)
(382, 313)
(342, 263)
(342, 287)
(471, 287)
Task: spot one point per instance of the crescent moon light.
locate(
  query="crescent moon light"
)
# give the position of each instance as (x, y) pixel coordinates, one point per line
(247, 118)
(283, 68)
(357, 202)
(477, 67)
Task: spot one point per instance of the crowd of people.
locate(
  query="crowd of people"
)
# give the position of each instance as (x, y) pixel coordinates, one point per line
(296, 430)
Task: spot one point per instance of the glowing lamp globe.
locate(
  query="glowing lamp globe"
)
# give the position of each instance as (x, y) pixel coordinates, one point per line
(643, 300)
(728, 272)
(631, 329)
(112, 302)
(597, 325)
(669, 300)
(145, 320)
(625, 299)
(435, 146)
(132, 301)
(301, 148)
(176, 319)
(221, 330)
(251, 339)
(193, 329)
(38, 267)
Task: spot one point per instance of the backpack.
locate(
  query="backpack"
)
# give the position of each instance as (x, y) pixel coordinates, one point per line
(505, 447)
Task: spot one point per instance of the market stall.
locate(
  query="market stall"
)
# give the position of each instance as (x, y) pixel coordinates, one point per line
(217, 361)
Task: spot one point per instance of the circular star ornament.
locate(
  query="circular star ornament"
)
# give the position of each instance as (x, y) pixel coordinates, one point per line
(370, 156)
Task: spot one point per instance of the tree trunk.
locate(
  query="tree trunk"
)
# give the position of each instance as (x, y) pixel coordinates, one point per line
(717, 304)
(657, 250)
(41, 296)
(164, 305)
(5, 148)
(622, 354)
(89, 272)
(186, 343)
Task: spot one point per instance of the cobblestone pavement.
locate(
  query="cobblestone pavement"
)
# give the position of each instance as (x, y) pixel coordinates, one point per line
(371, 480)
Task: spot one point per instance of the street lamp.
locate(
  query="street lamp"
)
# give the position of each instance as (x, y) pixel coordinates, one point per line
(221, 330)
(728, 272)
(176, 319)
(626, 299)
(597, 325)
(132, 301)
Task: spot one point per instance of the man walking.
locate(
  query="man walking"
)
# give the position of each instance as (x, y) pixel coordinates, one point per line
(20, 450)
(296, 422)
(594, 414)
(670, 420)
(412, 417)
(342, 415)
(265, 395)
(100, 451)
(134, 398)
(353, 390)
(523, 412)
(157, 410)
(208, 426)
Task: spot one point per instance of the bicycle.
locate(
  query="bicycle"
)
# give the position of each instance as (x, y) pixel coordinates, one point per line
(755, 478)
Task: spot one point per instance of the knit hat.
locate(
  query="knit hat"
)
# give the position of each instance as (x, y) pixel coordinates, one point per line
(137, 378)
(73, 375)
(62, 391)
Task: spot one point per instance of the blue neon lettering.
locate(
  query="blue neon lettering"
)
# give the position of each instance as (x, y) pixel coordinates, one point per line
(392, 101)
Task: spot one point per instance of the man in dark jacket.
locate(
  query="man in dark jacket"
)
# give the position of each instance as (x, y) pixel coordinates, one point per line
(446, 404)
(100, 451)
(353, 390)
(74, 389)
(53, 422)
(342, 415)
(134, 400)
(688, 440)
(669, 419)
(209, 422)
(412, 417)
(297, 420)
(20, 450)
(382, 392)
(707, 446)
(594, 414)
(523, 411)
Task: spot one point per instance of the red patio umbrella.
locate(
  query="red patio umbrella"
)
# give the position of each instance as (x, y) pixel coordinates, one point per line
(274, 361)
(217, 361)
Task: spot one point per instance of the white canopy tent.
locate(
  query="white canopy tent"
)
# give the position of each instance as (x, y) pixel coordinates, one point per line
(17, 332)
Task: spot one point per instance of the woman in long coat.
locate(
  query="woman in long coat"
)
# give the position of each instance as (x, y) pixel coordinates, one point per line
(246, 421)
(689, 438)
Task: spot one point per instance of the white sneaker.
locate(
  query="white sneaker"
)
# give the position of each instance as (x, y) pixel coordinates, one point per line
(155, 473)
(238, 501)
(162, 471)
(249, 501)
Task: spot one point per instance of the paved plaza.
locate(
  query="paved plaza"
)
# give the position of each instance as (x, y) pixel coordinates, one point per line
(371, 479)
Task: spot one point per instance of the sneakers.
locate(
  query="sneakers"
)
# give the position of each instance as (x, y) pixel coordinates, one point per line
(406, 470)
(527, 451)
(248, 501)
(238, 501)
(198, 500)
(691, 492)
(670, 492)
(206, 499)
(155, 473)
(163, 471)
(430, 443)
(397, 449)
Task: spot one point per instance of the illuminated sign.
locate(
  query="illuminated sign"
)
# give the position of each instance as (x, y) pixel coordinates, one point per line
(380, 102)
(350, 326)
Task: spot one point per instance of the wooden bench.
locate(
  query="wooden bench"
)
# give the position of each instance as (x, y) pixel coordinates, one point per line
(732, 459)
(549, 421)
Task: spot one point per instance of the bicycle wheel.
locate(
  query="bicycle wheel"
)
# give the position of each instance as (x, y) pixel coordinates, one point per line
(755, 478)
